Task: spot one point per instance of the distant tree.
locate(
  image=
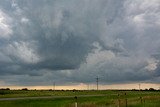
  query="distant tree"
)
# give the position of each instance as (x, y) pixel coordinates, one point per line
(7, 88)
(74, 90)
(50, 90)
(146, 89)
(151, 89)
(24, 89)
(4, 91)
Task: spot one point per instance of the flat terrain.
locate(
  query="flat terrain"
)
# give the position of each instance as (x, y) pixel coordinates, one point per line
(104, 98)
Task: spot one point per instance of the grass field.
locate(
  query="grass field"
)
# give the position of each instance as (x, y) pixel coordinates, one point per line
(109, 98)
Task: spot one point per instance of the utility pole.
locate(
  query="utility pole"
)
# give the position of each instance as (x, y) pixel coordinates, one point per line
(139, 87)
(97, 80)
(88, 86)
(54, 86)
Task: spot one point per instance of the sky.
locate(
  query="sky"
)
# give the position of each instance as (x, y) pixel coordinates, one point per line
(71, 42)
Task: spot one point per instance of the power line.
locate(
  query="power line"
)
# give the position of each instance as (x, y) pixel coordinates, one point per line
(97, 80)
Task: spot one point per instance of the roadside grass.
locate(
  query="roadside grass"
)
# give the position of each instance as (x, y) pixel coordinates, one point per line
(110, 99)
(37, 93)
(37, 103)
(58, 102)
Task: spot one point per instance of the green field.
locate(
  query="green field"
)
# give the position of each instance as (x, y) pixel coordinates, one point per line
(103, 98)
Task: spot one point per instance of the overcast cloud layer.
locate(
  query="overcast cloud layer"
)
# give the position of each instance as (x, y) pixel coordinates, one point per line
(73, 41)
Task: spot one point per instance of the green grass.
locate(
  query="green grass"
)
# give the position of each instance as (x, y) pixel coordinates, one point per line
(111, 99)
(35, 93)
(59, 102)
(37, 103)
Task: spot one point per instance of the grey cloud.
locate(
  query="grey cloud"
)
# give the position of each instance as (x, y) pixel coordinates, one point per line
(55, 39)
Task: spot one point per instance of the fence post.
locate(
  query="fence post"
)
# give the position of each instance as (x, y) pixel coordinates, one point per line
(126, 102)
(141, 99)
(126, 98)
(75, 101)
(75, 104)
(118, 101)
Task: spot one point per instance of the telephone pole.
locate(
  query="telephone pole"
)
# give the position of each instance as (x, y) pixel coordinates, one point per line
(54, 86)
(97, 80)
(139, 87)
(88, 86)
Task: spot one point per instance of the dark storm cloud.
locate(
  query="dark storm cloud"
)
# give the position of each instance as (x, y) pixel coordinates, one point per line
(58, 40)
(58, 44)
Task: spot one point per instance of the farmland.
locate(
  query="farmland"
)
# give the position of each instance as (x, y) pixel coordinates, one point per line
(92, 98)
